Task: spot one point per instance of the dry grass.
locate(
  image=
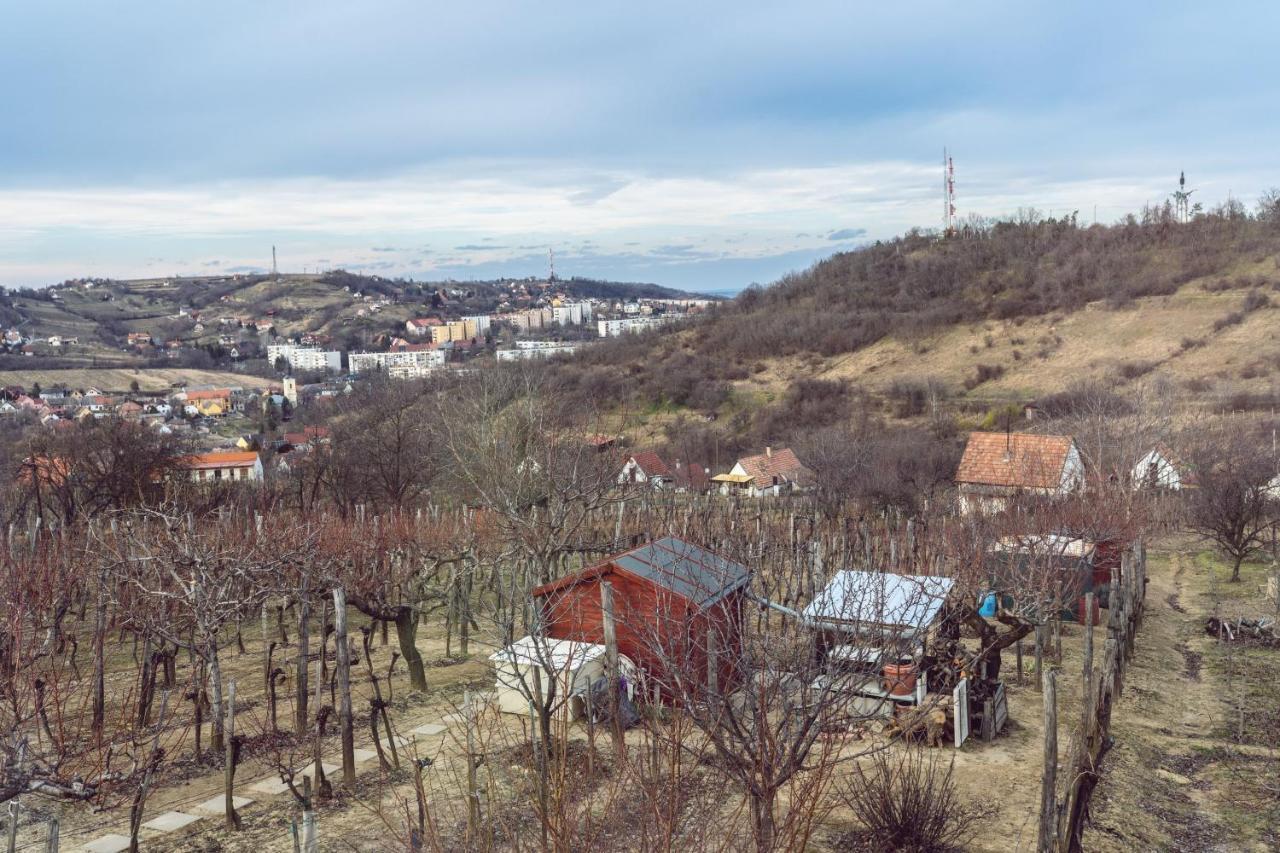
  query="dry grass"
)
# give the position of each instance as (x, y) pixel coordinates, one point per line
(1091, 343)
(119, 379)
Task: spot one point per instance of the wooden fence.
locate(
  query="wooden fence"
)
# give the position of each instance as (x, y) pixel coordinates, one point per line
(1065, 808)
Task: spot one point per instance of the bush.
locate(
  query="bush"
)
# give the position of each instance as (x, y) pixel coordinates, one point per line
(984, 373)
(1134, 369)
(1235, 318)
(907, 800)
(1253, 300)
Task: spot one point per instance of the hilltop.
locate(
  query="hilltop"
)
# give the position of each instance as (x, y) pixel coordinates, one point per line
(1003, 314)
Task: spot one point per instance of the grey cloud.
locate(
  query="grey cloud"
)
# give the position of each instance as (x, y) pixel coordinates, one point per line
(847, 234)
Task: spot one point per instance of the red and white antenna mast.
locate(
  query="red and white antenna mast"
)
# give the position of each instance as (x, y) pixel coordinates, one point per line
(551, 264)
(948, 195)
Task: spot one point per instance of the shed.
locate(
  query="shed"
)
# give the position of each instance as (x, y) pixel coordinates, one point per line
(882, 605)
(1056, 564)
(673, 601)
(531, 661)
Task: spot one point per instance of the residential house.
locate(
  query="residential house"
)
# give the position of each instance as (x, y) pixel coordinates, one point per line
(210, 404)
(646, 468)
(772, 473)
(998, 466)
(223, 466)
(1162, 468)
(420, 326)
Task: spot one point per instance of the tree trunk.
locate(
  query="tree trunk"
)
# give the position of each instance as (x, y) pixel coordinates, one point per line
(1235, 569)
(762, 821)
(215, 676)
(407, 634)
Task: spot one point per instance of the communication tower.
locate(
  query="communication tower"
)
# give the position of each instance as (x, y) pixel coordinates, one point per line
(948, 195)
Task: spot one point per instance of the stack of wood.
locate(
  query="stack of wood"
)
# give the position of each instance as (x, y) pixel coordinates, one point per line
(1262, 631)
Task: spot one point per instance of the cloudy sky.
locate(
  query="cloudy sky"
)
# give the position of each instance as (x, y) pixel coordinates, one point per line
(703, 145)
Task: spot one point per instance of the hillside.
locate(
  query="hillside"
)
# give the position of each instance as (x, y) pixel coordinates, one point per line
(349, 309)
(1005, 314)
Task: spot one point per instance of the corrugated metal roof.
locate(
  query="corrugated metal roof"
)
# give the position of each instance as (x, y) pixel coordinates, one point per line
(880, 598)
(686, 569)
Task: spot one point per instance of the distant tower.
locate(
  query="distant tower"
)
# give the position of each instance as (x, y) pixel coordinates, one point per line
(1182, 199)
(275, 271)
(948, 195)
(551, 262)
(291, 391)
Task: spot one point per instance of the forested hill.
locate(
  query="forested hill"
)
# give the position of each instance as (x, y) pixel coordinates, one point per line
(1006, 311)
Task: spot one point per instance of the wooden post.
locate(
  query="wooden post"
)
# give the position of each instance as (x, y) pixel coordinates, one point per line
(266, 650)
(1088, 660)
(1018, 649)
(611, 664)
(13, 825)
(473, 794)
(1048, 779)
(51, 842)
(344, 687)
(229, 770)
(300, 724)
(310, 844)
(713, 662)
(1039, 651)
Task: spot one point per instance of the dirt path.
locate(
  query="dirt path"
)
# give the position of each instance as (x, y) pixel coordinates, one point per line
(1166, 783)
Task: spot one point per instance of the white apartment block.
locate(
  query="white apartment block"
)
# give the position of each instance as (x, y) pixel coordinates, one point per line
(305, 358)
(482, 322)
(397, 363)
(614, 328)
(572, 313)
(539, 349)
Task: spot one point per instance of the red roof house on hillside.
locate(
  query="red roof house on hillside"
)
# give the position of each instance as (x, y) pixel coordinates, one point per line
(773, 472)
(997, 466)
(646, 466)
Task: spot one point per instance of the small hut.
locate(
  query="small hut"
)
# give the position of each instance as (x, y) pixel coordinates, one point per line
(675, 604)
(523, 668)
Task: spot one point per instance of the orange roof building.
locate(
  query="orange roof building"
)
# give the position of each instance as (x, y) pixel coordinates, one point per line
(770, 473)
(224, 465)
(998, 465)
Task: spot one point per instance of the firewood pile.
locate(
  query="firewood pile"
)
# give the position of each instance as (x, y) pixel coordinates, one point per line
(1261, 631)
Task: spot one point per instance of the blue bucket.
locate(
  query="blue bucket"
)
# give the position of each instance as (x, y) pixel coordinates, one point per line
(988, 606)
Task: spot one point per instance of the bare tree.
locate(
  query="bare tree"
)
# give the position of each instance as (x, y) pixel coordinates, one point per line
(1235, 502)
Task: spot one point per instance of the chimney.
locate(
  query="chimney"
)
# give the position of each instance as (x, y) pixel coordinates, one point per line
(768, 451)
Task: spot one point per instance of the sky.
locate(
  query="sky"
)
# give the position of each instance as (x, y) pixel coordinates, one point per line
(704, 145)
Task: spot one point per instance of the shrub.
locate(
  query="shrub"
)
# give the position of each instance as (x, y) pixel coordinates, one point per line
(1134, 369)
(1253, 300)
(907, 800)
(982, 374)
(1235, 318)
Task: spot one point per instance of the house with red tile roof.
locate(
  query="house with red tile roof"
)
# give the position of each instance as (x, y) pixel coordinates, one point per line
(223, 466)
(998, 466)
(646, 467)
(774, 472)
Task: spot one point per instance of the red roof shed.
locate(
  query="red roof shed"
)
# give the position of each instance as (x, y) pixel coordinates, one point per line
(672, 601)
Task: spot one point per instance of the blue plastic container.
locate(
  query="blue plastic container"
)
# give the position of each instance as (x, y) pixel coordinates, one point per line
(988, 606)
